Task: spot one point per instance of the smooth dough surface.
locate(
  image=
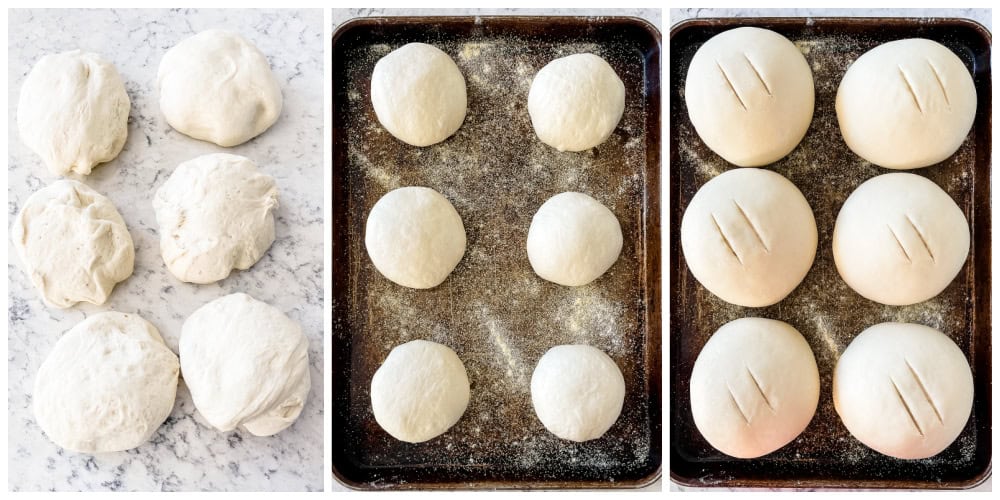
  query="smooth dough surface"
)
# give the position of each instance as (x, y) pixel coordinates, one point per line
(72, 243)
(903, 389)
(73, 111)
(754, 387)
(906, 104)
(900, 239)
(107, 385)
(216, 86)
(577, 391)
(749, 93)
(246, 364)
(749, 237)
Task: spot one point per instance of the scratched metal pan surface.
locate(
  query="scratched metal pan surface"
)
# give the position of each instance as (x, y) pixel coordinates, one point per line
(493, 310)
(827, 312)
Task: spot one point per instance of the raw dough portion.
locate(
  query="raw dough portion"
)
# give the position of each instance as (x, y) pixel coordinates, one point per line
(577, 391)
(107, 385)
(575, 102)
(749, 237)
(750, 97)
(906, 104)
(900, 239)
(73, 111)
(419, 94)
(414, 237)
(573, 239)
(904, 390)
(73, 244)
(216, 86)
(420, 391)
(246, 364)
(754, 387)
(215, 215)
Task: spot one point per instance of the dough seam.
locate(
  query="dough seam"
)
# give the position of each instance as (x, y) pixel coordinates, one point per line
(909, 412)
(937, 76)
(753, 226)
(759, 76)
(921, 235)
(726, 239)
(909, 87)
(924, 390)
(731, 86)
(759, 389)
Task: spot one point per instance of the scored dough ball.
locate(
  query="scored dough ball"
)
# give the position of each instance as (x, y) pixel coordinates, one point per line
(419, 94)
(73, 244)
(899, 239)
(246, 364)
(573, 239)
(750, 97)
(107, 385)
(754, 387)
(577, 391)
(216, 86)
(906, 104)
(73, 111)
(420, 391)
(904, 390)
(215, 215)
(414, 237)
(575, 102)
(749, 237)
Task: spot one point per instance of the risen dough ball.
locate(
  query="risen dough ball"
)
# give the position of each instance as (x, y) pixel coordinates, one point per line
(754, 387)
(906, 104)
(73, 244)
(246, 364)
(414, 237)
(749, 94)
(577, 391)
(420, 391)
(749, 237)
(575, 102)
(73, 111)
(107, 385)
(418, 94)
(573, 239)
(900, 239)
(904, 390)
(216, 86)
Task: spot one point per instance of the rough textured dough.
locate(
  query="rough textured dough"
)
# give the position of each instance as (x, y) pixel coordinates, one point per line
(749, 94)
(900, 239)
(215, 215)
(575, 102)
(216, 86)
(573, 239)
(420, 391)
(749, 237)
(577, 391)
(246, 364)
(107, 385)
(754, 387)
(904, 390)
(73, 111)
(72, 243)
(906, 104)
(414, 237)
(419, 94)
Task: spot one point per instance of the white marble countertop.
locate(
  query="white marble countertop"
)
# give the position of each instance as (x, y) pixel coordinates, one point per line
(185, 453)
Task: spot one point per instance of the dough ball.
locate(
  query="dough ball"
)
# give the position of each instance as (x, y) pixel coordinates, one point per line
(107, 385)
(754, 387)
(246, 364)
(906, 104)
(215, 215)
(72, 243)
(904, 390)
(418, 94)
(73, 111)
(749, 237)
(900, 239)
(414, 237)
(573, 239)
(575, 102)
(420, 391)
(577, 391)
(216, 86)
